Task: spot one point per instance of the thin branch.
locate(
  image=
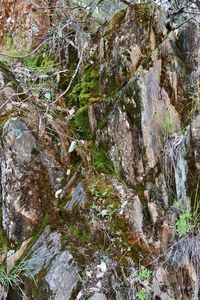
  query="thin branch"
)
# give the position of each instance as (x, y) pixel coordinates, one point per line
(72, 79)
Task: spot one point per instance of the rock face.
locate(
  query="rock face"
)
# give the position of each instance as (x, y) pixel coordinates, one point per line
(79, 198)
(195, 136)
(24, 198)
(99, 168)
(36, 21)
(61, 276)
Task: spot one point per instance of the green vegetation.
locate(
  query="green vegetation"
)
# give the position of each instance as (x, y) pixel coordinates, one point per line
(117, 163)
(184, 224)
(79, 233)
(100, 161)
(142, 295)
(14, 278)
(11, 49)
(141, 276)
(101, 204)
(144, 273)
(39, 63)
(87, 89)
(3, 241)
(3, 238)
(167, 124)
(80, 124)
(188, 220)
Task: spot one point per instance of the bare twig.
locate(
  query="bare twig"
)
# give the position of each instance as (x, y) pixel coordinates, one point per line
(73, 77)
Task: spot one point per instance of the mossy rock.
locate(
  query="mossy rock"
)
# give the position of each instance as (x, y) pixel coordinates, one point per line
(144, 13)
(86, 89)
(80, 124)
(39, 62)
(115, 23)
(3, 240)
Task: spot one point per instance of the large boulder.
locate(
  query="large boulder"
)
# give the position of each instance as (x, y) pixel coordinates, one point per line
(26, 191)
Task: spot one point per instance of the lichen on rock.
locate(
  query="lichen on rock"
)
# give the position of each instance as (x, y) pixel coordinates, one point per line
(100, 153)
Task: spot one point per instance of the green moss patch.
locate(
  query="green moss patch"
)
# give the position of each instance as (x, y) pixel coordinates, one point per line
(87, 88)
(80, 124)
(39, 62)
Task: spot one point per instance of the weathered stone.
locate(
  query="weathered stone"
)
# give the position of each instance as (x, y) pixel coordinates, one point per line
(196, 141)
(160, 278)
(3, 292)
(14, 257)
(27, 21)
(147, 78)
(79, 198)
(98, 296)
(61, 273)
(26, 192)
(46, 248)
(153, 212)
(62, 277)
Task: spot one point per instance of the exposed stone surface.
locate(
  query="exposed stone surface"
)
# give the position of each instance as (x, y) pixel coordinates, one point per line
(98, 296)
(79, 198)
(24, 22)
(26, 192)
(62, 277)
(3, 293)
(46, 248)
(105, 225)
(196, 140)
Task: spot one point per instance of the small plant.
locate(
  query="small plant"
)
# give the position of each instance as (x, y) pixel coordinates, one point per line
(14, 278)
(176, 204)
(101, 161)
(189, 220)
(39, 63)
(87, 89)
(116, 163)
(141, 278)
(144, 273)
(101, 205)
(167, 125)
(184, 224)
(142, 295)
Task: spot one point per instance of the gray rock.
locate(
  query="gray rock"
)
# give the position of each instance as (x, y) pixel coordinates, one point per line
(60, 272)
(79, 198)
(3, 293)
(46, 248)
(62, 277)
(26, 192)
(98, 296)
(196, 141)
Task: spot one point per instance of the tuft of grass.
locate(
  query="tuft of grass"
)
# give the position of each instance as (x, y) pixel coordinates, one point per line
(144, 273)
(14, 278)
(189, 220)
(100, 161)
